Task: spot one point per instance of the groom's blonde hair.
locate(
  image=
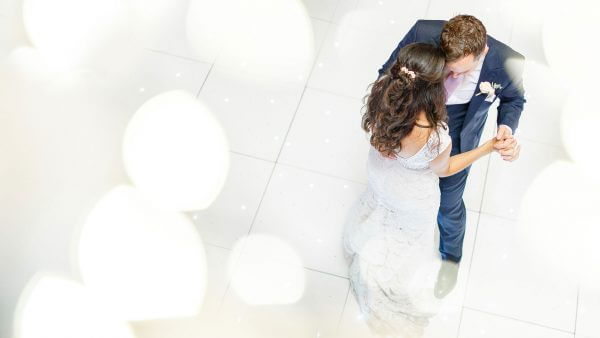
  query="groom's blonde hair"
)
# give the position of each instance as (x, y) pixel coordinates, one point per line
(461, 36)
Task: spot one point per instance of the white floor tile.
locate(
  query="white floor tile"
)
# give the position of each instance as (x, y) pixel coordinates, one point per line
(588, 311)
(349, 60)
(230, 216)
(256, 115)
(477, 324)
(504, 280)
(161, 25)
(153, 73)
(381, 16)
(326, 136)
(316, 314)
(507, 181)
(308, 210)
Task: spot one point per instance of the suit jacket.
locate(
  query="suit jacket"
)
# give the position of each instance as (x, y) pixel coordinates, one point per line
(501, 65)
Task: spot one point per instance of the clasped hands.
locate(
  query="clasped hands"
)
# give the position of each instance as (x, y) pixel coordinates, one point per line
(506, 144)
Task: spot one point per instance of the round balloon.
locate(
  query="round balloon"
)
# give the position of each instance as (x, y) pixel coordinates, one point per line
(176, 152)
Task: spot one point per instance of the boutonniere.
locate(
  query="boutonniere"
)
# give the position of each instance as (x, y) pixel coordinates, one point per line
(489, 89)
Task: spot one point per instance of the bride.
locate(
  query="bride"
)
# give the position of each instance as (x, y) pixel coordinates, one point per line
(389, 232)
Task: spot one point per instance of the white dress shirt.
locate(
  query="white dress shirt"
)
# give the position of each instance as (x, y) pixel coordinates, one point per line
(466, 89)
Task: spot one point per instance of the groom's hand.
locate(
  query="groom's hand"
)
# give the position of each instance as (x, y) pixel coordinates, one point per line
(508, 146)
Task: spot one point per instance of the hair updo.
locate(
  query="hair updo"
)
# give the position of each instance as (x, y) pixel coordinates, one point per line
(414, 83)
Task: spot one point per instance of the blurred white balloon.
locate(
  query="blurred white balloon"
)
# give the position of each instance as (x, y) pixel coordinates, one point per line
(176, 152)
(559, 220)
(145, 262)
(271, 39)
(71, 33)
(53, 307)
(266, 270)
(545, 94)
(569, 34)
(579, 129)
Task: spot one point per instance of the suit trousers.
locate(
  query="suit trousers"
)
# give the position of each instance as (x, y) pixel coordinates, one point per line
(452, 215)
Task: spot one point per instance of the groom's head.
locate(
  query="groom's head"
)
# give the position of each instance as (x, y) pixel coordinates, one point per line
(463, 40)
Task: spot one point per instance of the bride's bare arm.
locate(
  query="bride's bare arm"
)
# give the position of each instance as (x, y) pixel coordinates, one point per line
(444, 165)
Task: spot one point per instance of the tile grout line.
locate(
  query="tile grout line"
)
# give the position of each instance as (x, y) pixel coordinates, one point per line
(304, 267)
(205, 79)
(249, 230)
(468, 277)
(339, 323)
(517, 319)
(274, 167)
(474, 245)
(187, 58)
(321, 173)
(346, 96)
(217, 246)
(251, 156)
(324, 272)
(309, 75)
(487, 170)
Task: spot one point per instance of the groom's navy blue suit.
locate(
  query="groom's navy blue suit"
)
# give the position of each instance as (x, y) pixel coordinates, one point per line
(501, 65)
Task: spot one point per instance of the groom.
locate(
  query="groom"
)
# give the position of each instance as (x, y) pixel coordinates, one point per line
(472, 58)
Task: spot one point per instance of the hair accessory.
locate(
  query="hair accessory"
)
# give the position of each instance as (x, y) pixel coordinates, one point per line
(409, 72)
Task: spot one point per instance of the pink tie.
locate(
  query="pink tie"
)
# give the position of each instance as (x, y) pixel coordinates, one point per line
(451, 84)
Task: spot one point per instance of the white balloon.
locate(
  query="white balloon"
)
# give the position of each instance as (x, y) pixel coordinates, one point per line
(569, 32)
(266, 270)
(145, 262)
(53, 307)
(176, 152)
(559, 220)
(70, 33)
(271, 39)
(579, 129)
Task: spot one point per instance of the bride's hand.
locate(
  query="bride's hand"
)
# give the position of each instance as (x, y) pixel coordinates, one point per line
(496, 144)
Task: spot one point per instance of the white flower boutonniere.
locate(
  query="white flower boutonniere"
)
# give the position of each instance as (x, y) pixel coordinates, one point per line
(489, 89)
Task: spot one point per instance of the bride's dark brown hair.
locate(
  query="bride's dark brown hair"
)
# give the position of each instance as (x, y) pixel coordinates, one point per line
(396, 98)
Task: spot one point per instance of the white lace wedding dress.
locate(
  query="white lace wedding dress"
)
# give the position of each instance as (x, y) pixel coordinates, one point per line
(389, 241)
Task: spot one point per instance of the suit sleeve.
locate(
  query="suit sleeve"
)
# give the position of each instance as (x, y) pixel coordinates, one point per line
(512, 99)
(410, 37)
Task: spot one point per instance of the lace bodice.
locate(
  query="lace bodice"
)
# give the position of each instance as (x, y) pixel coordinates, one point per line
(436, 143)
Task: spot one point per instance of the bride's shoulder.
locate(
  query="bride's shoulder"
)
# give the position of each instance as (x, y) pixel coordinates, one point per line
(440, 136)
(443, 126)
